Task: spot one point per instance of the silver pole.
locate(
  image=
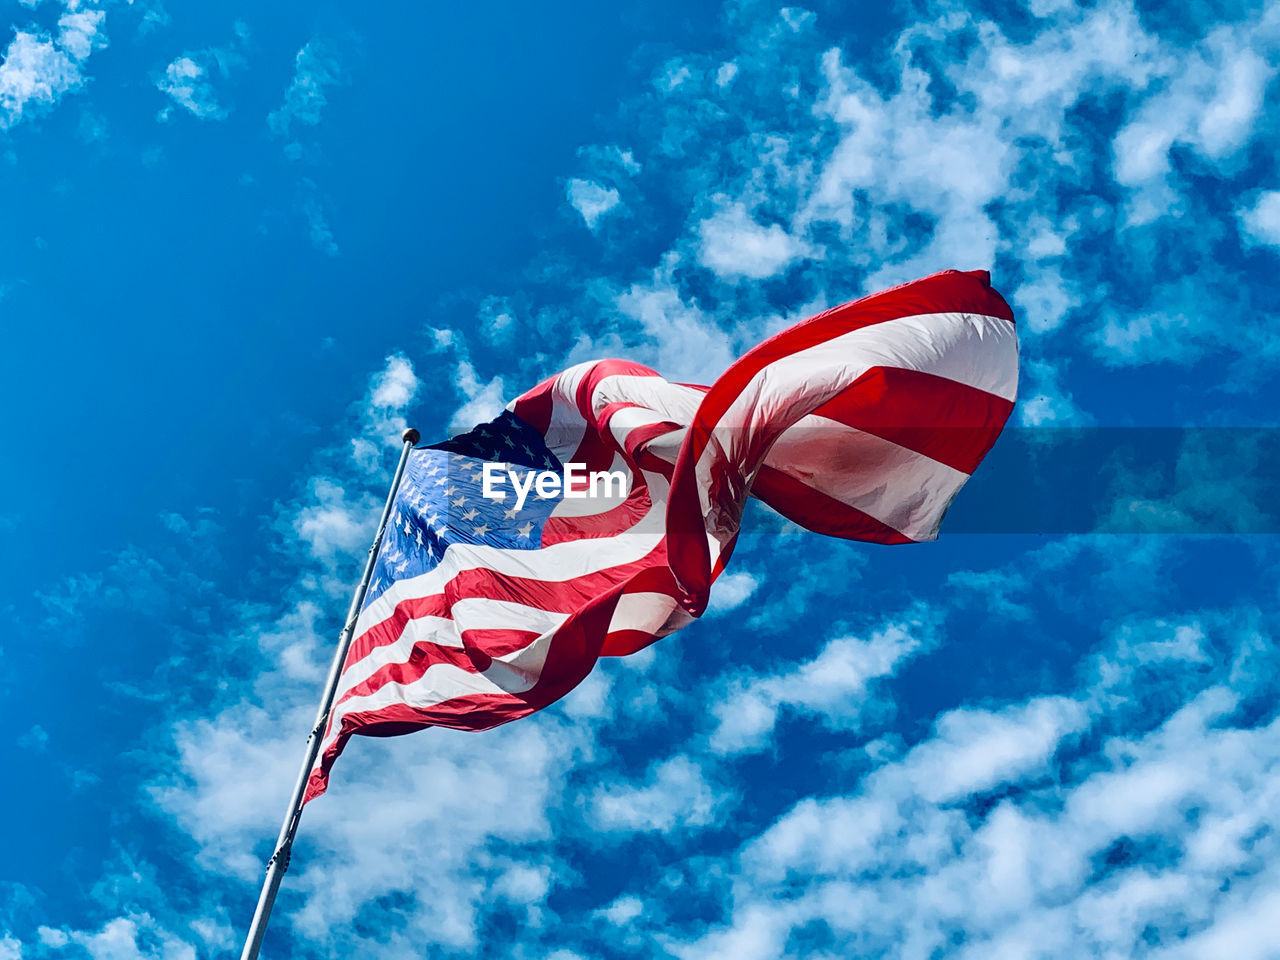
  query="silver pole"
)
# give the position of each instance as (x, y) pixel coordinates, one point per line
(279, 861)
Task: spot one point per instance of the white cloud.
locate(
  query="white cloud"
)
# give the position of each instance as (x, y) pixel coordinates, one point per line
(1045, 401)
(682, 342)
(80, 32)
(395, 387)
(315, 69)
(10, 949)
(332, 525)
(484, 400)
(836, 686)
(1260, 220)
(677, 795)
(135, 937)
(1210, 104)
(37, 71)
(51, 937)
(187, 83)
(973, 751)
(189, 79)
(592, 200)
(731, 590)
(391, 394)
(736, 246)
(623, 910)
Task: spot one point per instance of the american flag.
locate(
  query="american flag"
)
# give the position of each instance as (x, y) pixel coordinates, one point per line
(862, 422)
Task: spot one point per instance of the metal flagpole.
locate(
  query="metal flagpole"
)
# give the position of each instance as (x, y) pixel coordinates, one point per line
(279, 861)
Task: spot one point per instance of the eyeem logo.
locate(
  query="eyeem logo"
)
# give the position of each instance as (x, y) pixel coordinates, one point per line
(576, 483)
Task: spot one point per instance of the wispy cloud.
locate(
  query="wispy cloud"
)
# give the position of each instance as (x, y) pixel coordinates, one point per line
(836, 687)
(315, 69)
(189, 79)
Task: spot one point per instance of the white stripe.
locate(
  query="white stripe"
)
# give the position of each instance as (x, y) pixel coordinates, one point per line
(899, 487)
(666, 446)
(629, 418)
(642, 611)
(670, 401)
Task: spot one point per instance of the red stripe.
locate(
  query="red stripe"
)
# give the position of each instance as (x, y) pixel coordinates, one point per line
(617, 520)
(622, 643)
(534, 406)
(950, 422)
(816, 511)
(639, 436)
(594, 451)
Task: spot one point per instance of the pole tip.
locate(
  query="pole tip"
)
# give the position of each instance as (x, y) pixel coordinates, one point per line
(411, 436)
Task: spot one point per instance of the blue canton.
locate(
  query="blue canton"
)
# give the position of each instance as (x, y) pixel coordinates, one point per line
(440, 501)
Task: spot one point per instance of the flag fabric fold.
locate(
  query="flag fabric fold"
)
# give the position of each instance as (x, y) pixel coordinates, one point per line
(862, 422)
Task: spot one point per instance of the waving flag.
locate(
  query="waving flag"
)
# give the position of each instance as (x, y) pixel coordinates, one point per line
(862, 422)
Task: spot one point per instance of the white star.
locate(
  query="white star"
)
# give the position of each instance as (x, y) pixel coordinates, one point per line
(510, 514)
(481, 530)
(451, 490)
(471, 514)
(419, 533)
(525, 529)
(442, 481)
(460, 501)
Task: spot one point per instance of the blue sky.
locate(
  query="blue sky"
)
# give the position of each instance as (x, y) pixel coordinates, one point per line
(243, 248)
